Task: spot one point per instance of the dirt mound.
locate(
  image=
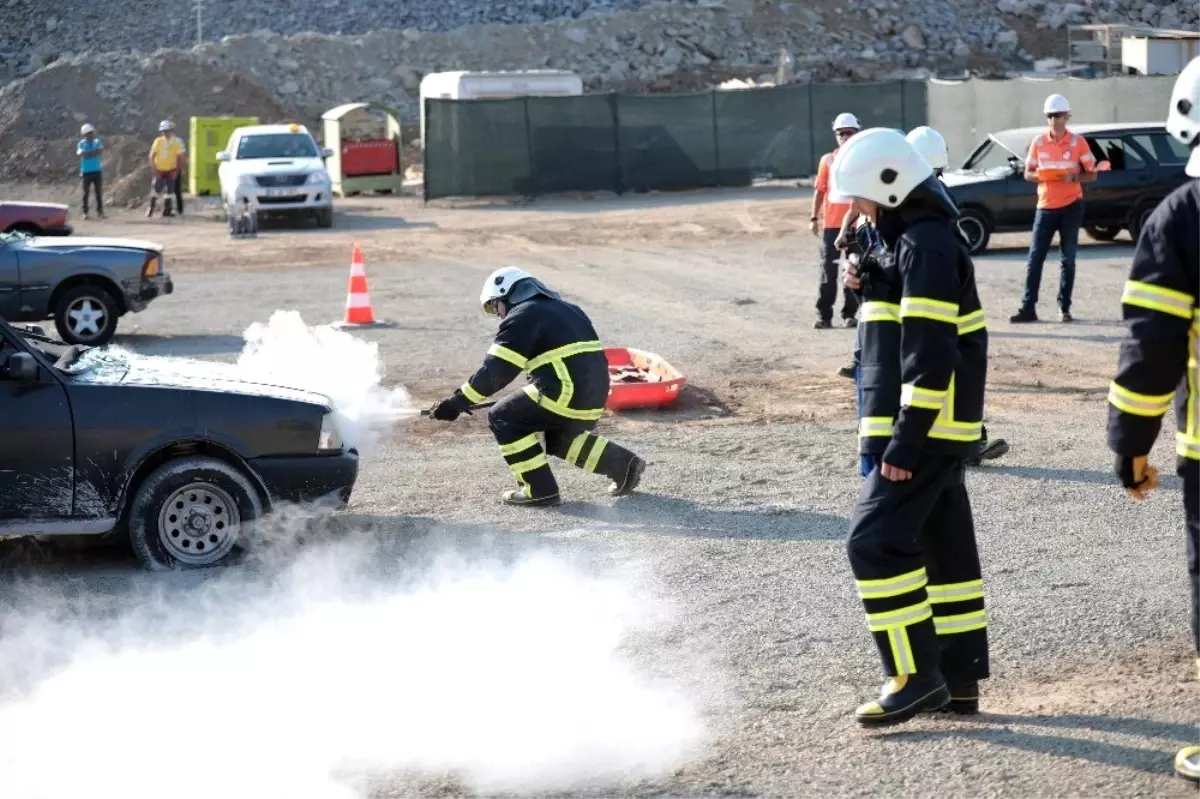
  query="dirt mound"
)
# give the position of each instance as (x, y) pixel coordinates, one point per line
(125, 97)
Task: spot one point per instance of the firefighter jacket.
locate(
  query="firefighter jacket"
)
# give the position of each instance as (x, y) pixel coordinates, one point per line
(554, 343)
(924, 349)
(1161, 349)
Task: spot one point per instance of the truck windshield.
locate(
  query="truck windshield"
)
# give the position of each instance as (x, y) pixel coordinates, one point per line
(277, 145)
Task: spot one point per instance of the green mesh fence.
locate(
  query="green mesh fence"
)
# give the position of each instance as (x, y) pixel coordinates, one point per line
(627, 142)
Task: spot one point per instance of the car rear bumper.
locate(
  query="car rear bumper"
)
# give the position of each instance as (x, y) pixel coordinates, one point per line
(327, 479)
(139, 293)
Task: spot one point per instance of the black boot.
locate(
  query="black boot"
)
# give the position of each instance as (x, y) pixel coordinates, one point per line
(520, 496)
(964, 698)
(902, 699)
(633, 476)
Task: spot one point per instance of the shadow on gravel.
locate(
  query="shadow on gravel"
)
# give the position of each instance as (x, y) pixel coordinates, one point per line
(1147, 728)
(682, 517)
(1167, 482)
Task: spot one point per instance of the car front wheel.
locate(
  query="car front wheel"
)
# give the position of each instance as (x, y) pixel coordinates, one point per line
(86, 314)
(325, 217)
(192, 513)
(975, 230)
(1103, 233)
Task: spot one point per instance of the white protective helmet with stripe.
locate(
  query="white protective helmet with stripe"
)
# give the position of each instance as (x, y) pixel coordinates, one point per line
(846, 122)
(880, 165)
(1183, 116)
(930, 144)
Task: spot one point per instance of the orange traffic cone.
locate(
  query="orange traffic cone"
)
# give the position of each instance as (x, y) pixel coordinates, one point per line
(358, 299)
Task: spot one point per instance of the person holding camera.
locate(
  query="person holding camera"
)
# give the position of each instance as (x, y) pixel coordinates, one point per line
(924, 366)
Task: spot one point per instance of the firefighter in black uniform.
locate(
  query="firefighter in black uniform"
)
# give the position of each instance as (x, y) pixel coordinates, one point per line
(924, 365)
(1160, 355)
(555, 344)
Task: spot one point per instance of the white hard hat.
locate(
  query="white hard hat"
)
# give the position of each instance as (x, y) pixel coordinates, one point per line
(499, 284)
(930, 144)
(165, 125)
(1056, 104)
(880, 165)
(844, 121)
(1183, 116)
(87, 128)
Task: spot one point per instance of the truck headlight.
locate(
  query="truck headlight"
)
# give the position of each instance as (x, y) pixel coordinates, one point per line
(318, 177)
(330, 439)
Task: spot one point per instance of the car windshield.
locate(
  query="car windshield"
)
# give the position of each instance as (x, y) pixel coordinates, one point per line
(277, 145)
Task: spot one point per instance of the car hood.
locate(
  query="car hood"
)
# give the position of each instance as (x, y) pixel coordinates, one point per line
(956, 179)
(271, 166)
(60, 244)
(32, 205)
(128, 369)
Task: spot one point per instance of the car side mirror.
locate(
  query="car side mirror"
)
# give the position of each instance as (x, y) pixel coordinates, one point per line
(326, 152)
(222, 156)
(22, 368)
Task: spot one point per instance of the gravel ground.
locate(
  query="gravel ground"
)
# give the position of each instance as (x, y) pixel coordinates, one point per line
(740, 521)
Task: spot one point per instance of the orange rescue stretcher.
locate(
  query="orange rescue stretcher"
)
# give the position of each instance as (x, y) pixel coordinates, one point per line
(640, 379)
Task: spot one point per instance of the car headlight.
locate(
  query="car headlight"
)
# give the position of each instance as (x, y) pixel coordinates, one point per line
(152, 266)
(330, 439)
(318, 177)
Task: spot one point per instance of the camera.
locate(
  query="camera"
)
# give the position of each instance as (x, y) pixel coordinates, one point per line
(873, 254)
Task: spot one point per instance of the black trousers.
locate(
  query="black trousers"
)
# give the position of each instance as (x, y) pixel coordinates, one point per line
(1191, 506)
(94, 181)
(178, 192)
(912, 550)
(516, 422)
(830, 280)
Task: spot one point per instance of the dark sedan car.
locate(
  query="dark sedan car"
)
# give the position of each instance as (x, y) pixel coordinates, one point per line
(180, 456)
(1144, 165)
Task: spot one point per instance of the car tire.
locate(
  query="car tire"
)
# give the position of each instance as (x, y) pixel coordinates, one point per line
(976, 229)
(1137, 219)
(1104, 232)
(325, 217)
(96, 307)
(192, 513)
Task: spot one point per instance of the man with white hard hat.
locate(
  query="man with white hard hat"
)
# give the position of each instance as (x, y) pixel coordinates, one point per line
(912, 542)
(1059, 162)
(832, 206)
(1160, 354)
(89, 149)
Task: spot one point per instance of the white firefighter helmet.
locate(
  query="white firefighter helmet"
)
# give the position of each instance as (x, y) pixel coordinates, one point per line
(1056, 104)
(165, 125)
(499, 285)
(846, 122)
(930, 144)
(87, 128)
(879, 164)
(1183, 117)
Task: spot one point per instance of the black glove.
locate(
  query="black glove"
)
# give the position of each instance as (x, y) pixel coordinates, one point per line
(450, 408)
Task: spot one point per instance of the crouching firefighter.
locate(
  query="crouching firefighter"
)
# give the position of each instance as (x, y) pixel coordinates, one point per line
(924, 365)
(554, 343)
(1160, 354)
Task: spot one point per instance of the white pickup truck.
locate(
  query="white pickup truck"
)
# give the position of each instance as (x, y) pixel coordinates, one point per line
(280, 169)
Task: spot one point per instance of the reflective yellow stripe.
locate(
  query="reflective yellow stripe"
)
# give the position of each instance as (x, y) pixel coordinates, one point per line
(594, 455)
(566, 351)
(903, 617)
(520, 445)
(554, 407)
(576, 448)
(892, 586)
(955, 592)
(871, 426)
(917, 397)
(957, 431)
(971, 322)
(1192, 427)
(902, 651)
(1186, 447)
(1139, 404)
(536, 461)
(926, 308)
(1157, 298)
(505, 354)
(875, 311)
(474, 396)
(564, 378)
(961, 623)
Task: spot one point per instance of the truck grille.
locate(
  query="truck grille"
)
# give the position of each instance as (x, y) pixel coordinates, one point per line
(274, 181)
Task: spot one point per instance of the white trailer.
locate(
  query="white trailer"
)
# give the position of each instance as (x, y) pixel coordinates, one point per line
(464, 85)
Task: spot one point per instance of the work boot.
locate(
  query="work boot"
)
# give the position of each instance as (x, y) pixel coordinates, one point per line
(847, 372)
(964, 698)
(1065, 316)
(850, 321)
(902, 699)
(167, 207)
(989, 451)
(1187, 763)
(153, 205)
(822, 324)
(633, 476)
(520, 496)
(1024, 315)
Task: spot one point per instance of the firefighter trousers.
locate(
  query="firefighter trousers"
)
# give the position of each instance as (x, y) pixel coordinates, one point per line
(516, 422)
(912, 550)
(1190, 472)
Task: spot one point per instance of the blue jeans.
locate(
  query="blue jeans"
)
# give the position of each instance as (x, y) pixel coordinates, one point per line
(1066, 222)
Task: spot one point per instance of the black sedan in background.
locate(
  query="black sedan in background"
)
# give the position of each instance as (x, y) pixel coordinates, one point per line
(1144, 166)
(180, 456)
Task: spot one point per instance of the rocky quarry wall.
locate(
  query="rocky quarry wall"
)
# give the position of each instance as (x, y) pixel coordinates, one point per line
(385, 47)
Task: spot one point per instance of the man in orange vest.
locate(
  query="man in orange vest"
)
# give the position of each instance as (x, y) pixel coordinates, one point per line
(830, 204)
(1059, 162)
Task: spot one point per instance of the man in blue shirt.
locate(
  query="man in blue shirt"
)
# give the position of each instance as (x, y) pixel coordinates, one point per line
(88, 150)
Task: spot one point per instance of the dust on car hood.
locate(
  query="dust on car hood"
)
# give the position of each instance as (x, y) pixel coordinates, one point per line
(68, 243)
